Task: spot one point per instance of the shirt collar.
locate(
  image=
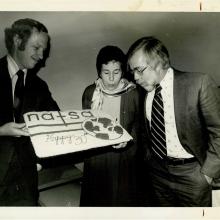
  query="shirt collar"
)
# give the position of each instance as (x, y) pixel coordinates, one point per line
(13, 67)
(168, 79)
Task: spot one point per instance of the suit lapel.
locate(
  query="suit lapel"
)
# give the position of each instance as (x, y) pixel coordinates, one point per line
(27, 101)
(180, 104)
(146, 123)
(30, 98)
(6, 91)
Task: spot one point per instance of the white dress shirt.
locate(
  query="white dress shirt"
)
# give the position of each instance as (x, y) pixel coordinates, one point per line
(174, 147)
(13, 69)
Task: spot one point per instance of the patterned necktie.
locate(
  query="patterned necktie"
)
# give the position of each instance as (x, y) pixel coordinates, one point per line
(18, 97)
(158, 135)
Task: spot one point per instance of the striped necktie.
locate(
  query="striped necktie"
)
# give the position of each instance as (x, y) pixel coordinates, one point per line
(18, 96)
(158, 135)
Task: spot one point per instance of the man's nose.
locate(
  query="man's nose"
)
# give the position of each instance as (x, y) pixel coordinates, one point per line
(136, 76)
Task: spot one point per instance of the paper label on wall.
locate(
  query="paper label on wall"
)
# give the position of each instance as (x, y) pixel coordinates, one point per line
(54, 132)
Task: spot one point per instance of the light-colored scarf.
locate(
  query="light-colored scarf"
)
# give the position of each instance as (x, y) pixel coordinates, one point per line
(100, 90)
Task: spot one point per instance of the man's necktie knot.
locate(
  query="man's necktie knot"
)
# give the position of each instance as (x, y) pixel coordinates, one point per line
(158, 89)
(20, 73)
(19, 87)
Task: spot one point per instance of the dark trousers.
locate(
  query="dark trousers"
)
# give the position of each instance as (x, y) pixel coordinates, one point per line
(19, 185)
(179, 185)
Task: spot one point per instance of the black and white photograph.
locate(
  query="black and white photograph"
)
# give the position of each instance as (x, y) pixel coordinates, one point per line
(110, 110)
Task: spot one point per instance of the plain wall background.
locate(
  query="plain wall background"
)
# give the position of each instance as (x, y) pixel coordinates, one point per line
(193, 41)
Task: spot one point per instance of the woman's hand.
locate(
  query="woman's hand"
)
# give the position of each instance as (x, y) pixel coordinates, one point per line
(14, 129)
(121, 145)
(39, 167)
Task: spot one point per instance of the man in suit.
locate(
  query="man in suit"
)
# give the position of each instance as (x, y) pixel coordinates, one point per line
(21, 91)
(182, 126)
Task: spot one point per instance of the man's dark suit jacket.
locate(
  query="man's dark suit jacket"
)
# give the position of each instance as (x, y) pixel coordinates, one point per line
(18, 150)
(197, 115)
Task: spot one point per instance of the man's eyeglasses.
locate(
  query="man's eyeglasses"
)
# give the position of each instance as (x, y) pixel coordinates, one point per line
(140, 71)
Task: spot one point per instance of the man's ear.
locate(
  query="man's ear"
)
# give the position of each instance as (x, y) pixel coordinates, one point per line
(17, 41)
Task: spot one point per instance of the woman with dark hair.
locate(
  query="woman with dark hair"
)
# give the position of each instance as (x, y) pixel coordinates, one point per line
(110, 177)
